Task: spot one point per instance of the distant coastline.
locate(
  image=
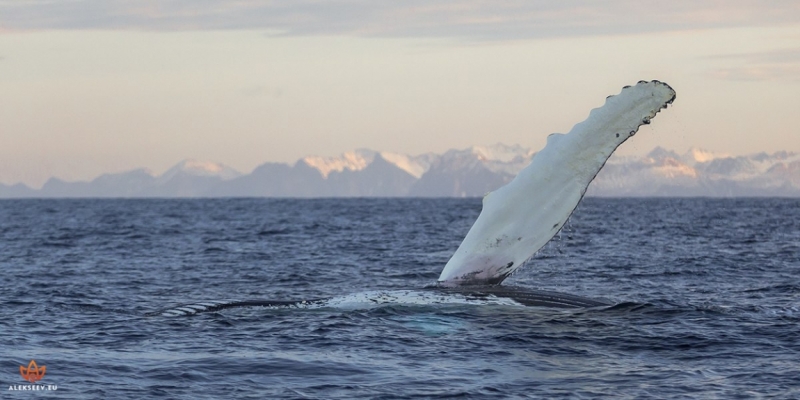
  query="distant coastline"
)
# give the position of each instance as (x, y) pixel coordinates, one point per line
(470, 172)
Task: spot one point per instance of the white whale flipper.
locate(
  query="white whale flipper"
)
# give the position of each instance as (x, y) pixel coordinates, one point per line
(522, 216)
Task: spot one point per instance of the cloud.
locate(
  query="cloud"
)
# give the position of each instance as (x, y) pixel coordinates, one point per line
(791, 55)
(758, 73)
(783, 64)
(474, 19)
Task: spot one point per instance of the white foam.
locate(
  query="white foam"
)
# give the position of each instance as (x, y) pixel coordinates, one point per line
(372, 299)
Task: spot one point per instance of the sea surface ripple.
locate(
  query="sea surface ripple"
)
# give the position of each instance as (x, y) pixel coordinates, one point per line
(707, 295)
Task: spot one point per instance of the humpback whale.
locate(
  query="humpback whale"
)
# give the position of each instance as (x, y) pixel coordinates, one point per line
(519, 218)
(516, 220)
(482, 295)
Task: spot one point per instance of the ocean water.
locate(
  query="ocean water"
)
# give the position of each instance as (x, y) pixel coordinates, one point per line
(706, 296)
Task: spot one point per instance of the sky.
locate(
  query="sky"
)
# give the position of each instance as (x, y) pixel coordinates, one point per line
(102, 86)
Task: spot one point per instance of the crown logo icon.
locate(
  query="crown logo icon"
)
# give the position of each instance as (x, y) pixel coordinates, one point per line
(33, 372)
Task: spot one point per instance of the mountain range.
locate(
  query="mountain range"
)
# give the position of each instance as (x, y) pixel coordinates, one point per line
(470, 172)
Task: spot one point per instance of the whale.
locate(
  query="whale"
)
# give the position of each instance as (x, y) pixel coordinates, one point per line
(518, 219)
(515, 222)
(495, 295)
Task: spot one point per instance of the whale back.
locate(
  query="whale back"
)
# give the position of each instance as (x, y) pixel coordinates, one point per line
(519, 218)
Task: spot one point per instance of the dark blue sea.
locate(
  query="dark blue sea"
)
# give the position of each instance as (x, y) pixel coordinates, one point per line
(706, 297)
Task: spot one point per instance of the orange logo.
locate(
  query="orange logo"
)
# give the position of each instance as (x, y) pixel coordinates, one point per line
(33, 372)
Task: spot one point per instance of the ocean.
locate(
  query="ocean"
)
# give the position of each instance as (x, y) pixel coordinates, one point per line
(705, 298)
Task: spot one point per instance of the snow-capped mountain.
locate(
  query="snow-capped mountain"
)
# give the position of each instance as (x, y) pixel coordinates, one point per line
(358, 160)
(196, 168)
(191, 178)
(696, 155)
(188, 178)
(473, 171)
(470, 172)
(700, 173)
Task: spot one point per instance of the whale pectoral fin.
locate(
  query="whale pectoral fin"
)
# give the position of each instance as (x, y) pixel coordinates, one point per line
(522, 216)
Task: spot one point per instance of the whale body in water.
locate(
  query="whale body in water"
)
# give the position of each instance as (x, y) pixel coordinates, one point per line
(517, 219)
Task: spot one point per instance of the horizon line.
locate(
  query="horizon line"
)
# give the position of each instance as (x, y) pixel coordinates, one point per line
(153, 174)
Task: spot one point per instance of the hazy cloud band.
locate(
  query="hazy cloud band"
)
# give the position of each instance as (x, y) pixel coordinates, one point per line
(472, 19)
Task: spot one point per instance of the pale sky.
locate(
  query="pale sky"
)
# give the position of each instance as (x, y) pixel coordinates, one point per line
(95, 86)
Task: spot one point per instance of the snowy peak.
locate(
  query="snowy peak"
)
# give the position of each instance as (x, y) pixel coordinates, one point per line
(503, 159)
(498, 158)
(701, 173)
(469, 172)
(355, 160)
(476, 170)
(670, 165)
(416, 166)
(198, 168)
(659, 155)
(672, 168)
(502, 153)
(358, 160)
(696, 155)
